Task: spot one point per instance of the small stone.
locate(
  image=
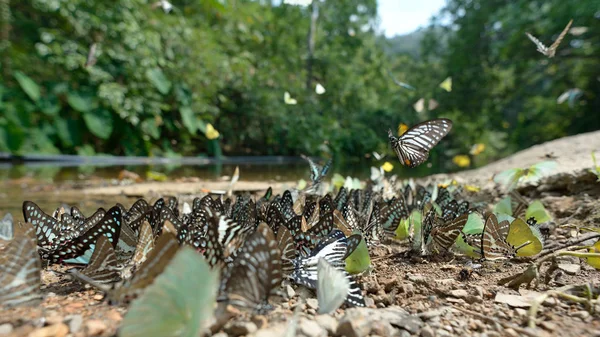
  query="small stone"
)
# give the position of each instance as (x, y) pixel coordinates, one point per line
(260, 321)
(75, 323)
(310, 328)
(98, 297)
(417, 278)
(369, 302)
(548, 326)
(411, 324)
(311, 311)
(427, 332)
(220, 334)
(511, 332)
(445, 282)
(95, 327)
(56, 330)
(241, 328)
(459, 293)
(114, 315)
(304, 292)
(327, 322)
(442, 333)
(581, 314)
(276, 330)
(570, 268)
(389, 284)
(407, 288)
(289, 291)
(5, 329)
(312, 303)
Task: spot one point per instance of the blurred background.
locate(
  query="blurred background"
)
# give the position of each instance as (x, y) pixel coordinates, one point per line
(241, 78)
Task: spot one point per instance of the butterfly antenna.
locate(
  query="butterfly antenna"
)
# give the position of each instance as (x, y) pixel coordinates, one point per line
(523, 245)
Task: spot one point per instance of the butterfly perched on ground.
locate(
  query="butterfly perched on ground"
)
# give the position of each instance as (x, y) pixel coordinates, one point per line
(511, 178)
(493, 240)
(103, 267)
(255, 273)
(412, 147)
(550, 51)
(443, 233)
(333, 249)
(332, 287)
(178, 303)
(6, 227)
(20, 268)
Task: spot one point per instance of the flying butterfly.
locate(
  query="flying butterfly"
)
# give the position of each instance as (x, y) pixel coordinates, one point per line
(20, 268)
(550, 51)
(412, 147)
(255, 273)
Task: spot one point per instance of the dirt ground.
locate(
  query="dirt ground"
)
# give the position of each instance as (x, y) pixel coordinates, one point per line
(406, 295)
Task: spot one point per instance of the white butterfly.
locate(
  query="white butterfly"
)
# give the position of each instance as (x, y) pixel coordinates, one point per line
(287, 98)
(319, 89)
(6, 227)
(550, 51)
(332, 287)
(419, 105)
(187, 209)
(378, 156)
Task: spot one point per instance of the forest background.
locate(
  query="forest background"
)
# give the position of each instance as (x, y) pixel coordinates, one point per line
(208, 78)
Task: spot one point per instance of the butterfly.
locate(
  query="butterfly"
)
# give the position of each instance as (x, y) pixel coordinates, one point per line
(255, 273)
(287, 99)
(401, 84)
(493, 240)
(511, 178)
(332, 287)
(109, 226)
(20, 268)
(6, 227)
(447, 84)
(167, 307)
(144, 245)
(317, 173)
(319, 89)
(550, 51)
(332, 249)
(103, 267)
(412, 148)
(443, 234)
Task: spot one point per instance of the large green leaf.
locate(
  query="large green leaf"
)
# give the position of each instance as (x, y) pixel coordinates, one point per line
(12, 137)
(69, 131)
(159, 80)
(99, 122)
(79, 102)
(28, 85)
(188, 119)
(178, 303)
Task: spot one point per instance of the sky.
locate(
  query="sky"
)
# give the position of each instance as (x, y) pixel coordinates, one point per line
(400, 17)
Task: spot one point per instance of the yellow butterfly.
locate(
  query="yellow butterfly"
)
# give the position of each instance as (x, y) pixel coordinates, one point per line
(520, 232)
(210, 132)
(447, 84)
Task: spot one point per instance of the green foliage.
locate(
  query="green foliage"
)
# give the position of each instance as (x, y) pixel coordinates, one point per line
(160, 78)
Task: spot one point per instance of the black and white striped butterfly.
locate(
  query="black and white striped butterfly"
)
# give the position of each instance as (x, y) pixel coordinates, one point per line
(103, 267)
(550, 51)
(255, 273)
(412, 148)
(333, 249)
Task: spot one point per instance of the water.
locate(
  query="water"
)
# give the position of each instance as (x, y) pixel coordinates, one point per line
(38, 182)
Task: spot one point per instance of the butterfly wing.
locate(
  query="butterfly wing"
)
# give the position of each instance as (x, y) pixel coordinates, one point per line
(562, 35)
(540, 46)
(332, 287)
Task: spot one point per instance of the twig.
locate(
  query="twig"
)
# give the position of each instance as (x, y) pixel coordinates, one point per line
(569, 244)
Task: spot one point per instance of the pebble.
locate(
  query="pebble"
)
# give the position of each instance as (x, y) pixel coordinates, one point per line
(312, 303)
(427, 332)
(56, 330)
(260, 320)
(327, 322)
(358, 322)
(220, 334)
(6, 329)
(570, 268)
(407, 288)
(369, 302)
(95, 327)
(417, 278)
(311, 328)
(114, 315)
(290, 292)
(442, 333)
(389, 284)
(98, 297)
(548, 326)
(411, 324)
(511, 332)
(75, 322)
(459, 293)
(581, 314)
(241, 328)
